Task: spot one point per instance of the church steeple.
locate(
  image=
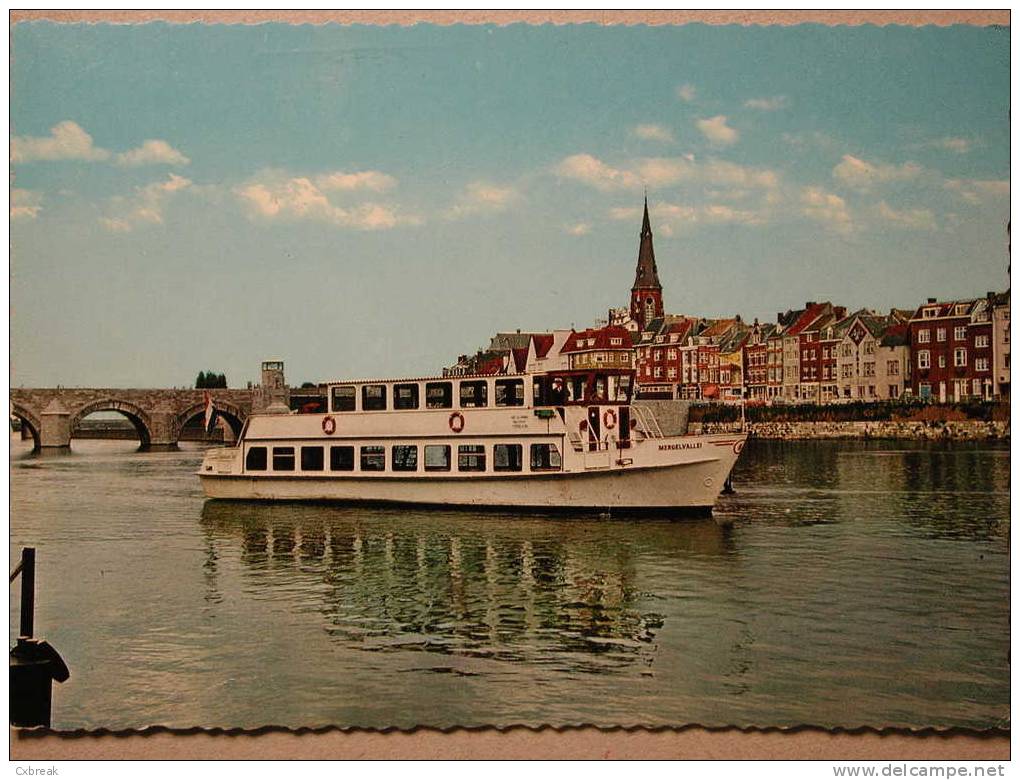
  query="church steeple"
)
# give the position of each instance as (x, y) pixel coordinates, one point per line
(646, 294)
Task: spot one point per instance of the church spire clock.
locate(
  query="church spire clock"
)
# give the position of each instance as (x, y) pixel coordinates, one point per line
(646, 293)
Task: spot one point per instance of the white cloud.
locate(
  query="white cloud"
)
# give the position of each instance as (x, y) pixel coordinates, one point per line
(767, 104)
(717, 131)
(152, 152)
(592, 171)
(862, 175)
(66, 141)
(653, 133)
(480, 197)
(25, 204)
(670, 217)
(578, 229)
(976, 191)
(274, 196)
(662, 172)
(145, 207)
(958, 145)
(913, 219)
(686, 92)
(827, 208)
(359, 180)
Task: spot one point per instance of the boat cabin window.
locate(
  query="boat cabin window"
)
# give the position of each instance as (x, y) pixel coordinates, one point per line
(405, 457)
(373, 458)
(509, 392)
(439, 395)
(283, 458)
(548, 391)
(471, 457)
(437, 457)
(343, 399)
(373, 398)
(405, 396)
(341, 458)
(507, 457)
(312, 459)
(474, 394)
(545, 457)
(255, 460)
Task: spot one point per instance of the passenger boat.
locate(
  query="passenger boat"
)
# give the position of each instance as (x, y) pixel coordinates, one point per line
(558, 440)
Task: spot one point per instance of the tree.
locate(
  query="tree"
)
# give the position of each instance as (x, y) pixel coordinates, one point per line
(208, 380)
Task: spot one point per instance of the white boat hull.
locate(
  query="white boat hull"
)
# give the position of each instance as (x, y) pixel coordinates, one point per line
(692, 481)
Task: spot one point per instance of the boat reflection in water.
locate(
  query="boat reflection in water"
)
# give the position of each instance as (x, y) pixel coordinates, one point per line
(564, 591)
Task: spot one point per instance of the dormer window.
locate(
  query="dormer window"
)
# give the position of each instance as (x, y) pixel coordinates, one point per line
(929, 313)
(615, 342)
(961, 308)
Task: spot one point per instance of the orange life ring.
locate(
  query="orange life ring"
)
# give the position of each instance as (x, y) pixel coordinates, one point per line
(329, 425)
(456, 422)
(609, 419)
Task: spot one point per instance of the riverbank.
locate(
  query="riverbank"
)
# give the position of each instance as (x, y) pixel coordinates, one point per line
(930, 430)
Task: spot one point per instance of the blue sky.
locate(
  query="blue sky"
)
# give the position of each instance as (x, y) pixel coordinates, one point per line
(366, 201)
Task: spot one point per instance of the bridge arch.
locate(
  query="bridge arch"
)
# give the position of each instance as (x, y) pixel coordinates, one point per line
(234, 415)
(29, 420)
(138, 417)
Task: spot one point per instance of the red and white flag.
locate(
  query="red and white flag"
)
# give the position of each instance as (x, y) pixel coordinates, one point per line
(210, 413)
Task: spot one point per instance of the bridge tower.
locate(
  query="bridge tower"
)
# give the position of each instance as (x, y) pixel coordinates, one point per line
(273, 390)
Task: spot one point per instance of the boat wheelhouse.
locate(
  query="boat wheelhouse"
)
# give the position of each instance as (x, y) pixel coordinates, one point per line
(561, 439)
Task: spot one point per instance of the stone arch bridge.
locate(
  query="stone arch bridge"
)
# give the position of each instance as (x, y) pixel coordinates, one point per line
(52, 414)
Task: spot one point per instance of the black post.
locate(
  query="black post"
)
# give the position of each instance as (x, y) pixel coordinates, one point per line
(27, 591)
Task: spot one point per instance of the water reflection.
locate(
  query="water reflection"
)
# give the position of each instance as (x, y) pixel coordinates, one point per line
(508, 588)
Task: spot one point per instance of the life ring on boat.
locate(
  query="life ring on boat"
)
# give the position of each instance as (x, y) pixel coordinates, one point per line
(456, 422)
(329, 425)
(738, 445)
(609, 419)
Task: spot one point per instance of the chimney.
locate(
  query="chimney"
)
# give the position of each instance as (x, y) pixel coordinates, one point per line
(809, 304)
(840, 311)
(932, 300)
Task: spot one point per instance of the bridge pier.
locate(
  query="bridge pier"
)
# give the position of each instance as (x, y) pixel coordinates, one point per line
(55, 427)
(161, 429)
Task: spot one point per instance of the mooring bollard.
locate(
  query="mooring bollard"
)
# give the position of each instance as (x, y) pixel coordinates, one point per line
(34, 662)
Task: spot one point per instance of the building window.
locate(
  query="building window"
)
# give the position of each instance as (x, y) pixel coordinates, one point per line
(471, 457)
(981, 364)
(545, 457)
(981, 341)
(940, 334)
(507, 457)
(942, 361)
(869, 369)
(869, 348)
(616, 341)
(437, 457)
(892, 367)
(929, 313)
(924, 359)
(672, 373)
(871, 391)
(894, 391)
(283, 458)
(373, 458)
(438, 395)
(977, 386)
(312, 459)
(658, 372)
(509, 392)
(343, 399)
(341, 458)
(959, 357)
(474, 394)
(923, 336)
(405, 396)
(373, 398)
(960, 333)
(255, 460)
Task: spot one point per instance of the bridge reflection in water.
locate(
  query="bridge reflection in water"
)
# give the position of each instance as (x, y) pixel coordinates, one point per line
(553, 591)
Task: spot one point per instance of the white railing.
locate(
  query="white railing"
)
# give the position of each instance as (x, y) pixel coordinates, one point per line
(647, 422)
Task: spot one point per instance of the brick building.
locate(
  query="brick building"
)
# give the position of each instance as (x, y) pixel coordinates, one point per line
(951, 350)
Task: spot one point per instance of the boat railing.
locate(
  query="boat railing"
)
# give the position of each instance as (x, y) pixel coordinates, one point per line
(647, 422)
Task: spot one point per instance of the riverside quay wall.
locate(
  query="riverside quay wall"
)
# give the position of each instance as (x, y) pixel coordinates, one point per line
(933, 430)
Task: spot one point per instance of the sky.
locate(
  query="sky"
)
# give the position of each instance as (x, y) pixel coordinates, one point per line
(374, 201)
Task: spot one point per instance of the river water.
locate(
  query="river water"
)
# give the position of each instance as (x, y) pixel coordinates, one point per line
(845, 584)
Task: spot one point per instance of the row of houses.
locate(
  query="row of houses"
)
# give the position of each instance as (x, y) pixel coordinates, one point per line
(821, 353)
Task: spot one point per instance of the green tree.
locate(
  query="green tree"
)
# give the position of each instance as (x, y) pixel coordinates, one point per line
(200, 382)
